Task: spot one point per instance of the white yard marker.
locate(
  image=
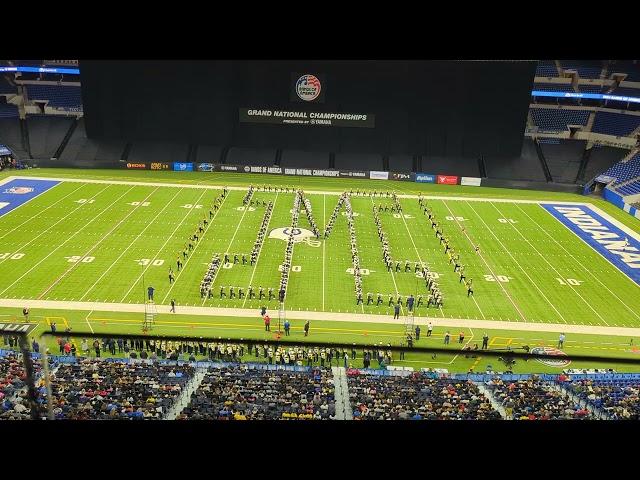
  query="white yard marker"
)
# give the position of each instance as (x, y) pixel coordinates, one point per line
(195, 248)
(102, 239)
(41, 211)
(87, 320)
(64, 243)
(579, 263)
(324, 223)
(259, 251)
(54, 224)
(149, 224)
(508, 252)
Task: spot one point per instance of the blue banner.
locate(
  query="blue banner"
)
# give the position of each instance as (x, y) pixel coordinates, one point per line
(622, 250)
(183, 167)
(594, 96)
(68, 71)
(425, 178)
(18, 192)
(4, 150)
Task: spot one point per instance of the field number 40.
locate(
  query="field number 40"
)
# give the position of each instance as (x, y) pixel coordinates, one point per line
(569, 281)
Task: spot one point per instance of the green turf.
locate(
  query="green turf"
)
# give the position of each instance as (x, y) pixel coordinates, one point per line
(525, 272)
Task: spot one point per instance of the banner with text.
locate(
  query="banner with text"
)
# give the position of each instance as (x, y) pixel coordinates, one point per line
(447, 180)
(425, 178)
(470, 181)
(373, 175)
(299, 117)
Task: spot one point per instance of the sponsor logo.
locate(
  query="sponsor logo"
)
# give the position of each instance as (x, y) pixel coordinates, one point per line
(425, 178)
(247, 169)
(183, 167)
(229, 168)
(206, 167)
(19, 190)
(160, 166)
(471, 181)
(137, 165)
(400, 176)
(378, 175)
(308, 87)
(447, 180)
(552, 352)
(299, 234)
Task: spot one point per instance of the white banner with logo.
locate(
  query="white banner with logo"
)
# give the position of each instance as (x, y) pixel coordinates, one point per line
(470, 181)
(378, 175)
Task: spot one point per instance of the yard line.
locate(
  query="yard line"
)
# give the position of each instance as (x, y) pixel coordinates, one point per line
(149, 224)
(324, 225)
(87, 320)
(102, 239)
(42, 211)
(549, 263)
(579, 263)
(59, 221)
(194, 249)
(518, 264)
(155, 257)
(68, 238)
(259, 251)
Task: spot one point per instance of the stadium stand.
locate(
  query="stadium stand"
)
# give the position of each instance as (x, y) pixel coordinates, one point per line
(533, 399)
(586, 69)
(13, 403)
(588, 88)
(10, 136)
(615, 123)
(158, 152)
(563, 159)
(46, 132)
(8, 111)
(85, 150)
(304, 159)
(416, 397)
(626, 91)
(556, 120)
(546, 68)
(251, 156)
(601, 159)
(355, 161)
(630, 68)
(64, 96)
(103, 390)
(6, 87)
(631, 188)
(240, 392)
(553, 87)
(624, 171)
(618, 398)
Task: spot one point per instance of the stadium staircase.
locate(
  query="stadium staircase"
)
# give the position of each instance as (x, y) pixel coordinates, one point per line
(341, 394)
(185, 396)
(494, 403)
(597, 412)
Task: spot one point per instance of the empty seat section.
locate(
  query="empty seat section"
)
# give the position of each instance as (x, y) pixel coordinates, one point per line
(401, 163)
(303, 159)
(556, 120)
(208, 154)
(355, 161)
(563, 159)
(158, 152)
(617, 124)
(46, 134)
(525, 167)
(251, 156)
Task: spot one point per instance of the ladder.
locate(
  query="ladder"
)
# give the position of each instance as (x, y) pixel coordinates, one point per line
(150, 312)
(409, 325)
(281, 316)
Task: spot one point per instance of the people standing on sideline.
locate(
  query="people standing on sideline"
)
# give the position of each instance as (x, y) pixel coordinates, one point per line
(173, 306)
(267, 323)
(461, 337)
(306, 328)
(561, 340)
(346, 360)
(485, 341)
(263, 311)
(25, 312)
(417, 332)
(53, 327)
(396, 311)
(446, 338)
(287, 326)
(429, 329)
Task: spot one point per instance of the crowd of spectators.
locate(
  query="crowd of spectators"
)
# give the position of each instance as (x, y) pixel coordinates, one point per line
(13, 395)
(240, 393)
(533, 399)
(7, 161)
(620, 400)
(416, 397)
(97, 390)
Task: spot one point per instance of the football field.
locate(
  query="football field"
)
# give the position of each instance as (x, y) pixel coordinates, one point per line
(106, 241)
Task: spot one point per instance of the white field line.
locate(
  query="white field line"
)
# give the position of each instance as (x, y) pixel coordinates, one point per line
(56, 223)
(86, 319)
(404, 220)
(246, 209)
(259, 251)
(155, 257)
(504, 290)
(68, 238)
(627, 332)
(41, 211)
(102, 239)
(324, 226)
(508, 252)
(313, 192)
(587, 270)
(551, 265)
(194, 250)
(149, 224)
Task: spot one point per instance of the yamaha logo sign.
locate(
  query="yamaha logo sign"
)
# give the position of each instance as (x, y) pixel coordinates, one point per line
(308, 87)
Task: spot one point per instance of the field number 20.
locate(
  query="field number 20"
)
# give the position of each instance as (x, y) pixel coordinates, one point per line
(15, 256)
(499, 278)
(568, 281)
